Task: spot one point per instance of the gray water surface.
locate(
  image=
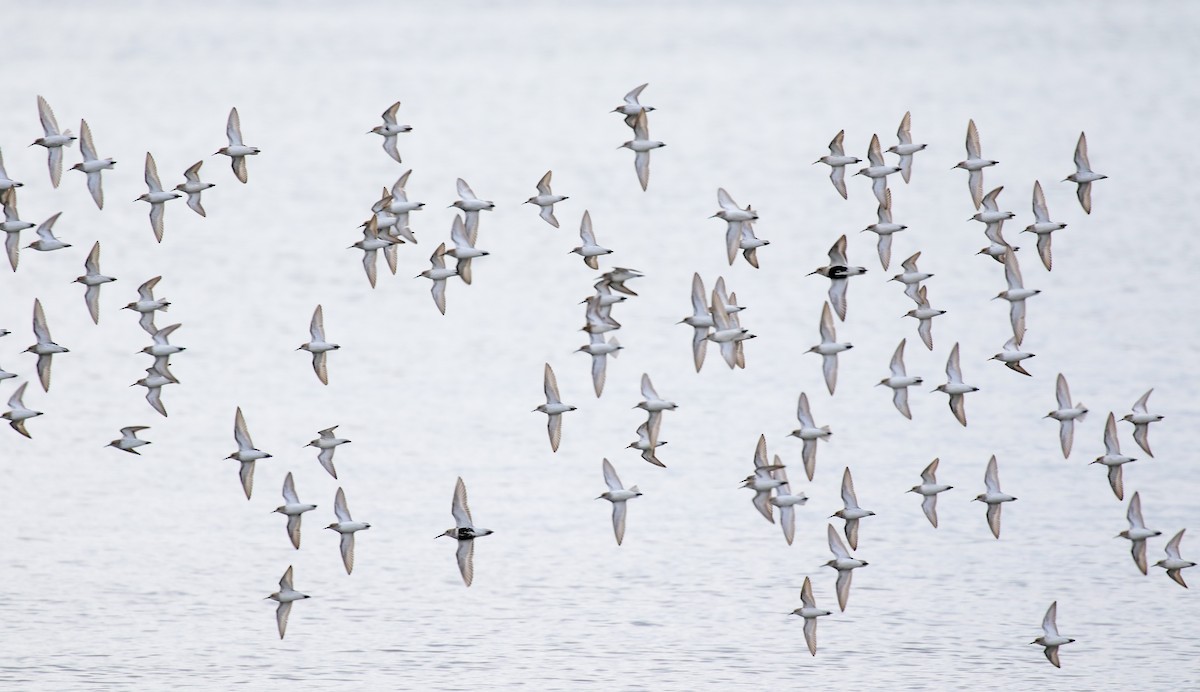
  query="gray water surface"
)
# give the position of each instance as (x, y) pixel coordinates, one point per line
(122, 572)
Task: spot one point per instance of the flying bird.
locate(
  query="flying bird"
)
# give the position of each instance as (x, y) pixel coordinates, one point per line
(389, 129)
(246, 454)
(93, 280)
(53, 141)
(994, 498)
(641, 145)
(546, 199)
(293, 508)
(285, 596)
(464, 532)
(236, 151)
(618, 496)
(156, 197)
(347, 527)
(1050, 638)
(809, 611)
(45, 348)
(318, 346)
(92, 164)
(553, 408)
(1083, 175)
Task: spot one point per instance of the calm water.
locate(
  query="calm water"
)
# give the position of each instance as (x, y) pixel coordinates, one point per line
(149, 573)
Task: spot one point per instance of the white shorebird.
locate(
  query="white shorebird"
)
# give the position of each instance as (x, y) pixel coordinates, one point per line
(326, 442)
(929, 489)
(829, 348)
(994, 498)
(156, 197)
(843, 563)
(1012, 355)
(129, 441)
(727, 330)
(1141, 419)
(763, 480)
(641, 145)
(1050, 638)
(371, 244)
(347, 527)
(1175, 564)
(810, 433)
(786, 501)
(4, 375)
(598, 317)
(735, 219)
(837, 271)
(809, 611)
(653, 405)
(92, 164)
(600, 350)
(236, 151)
(1137, 533)
(12, 227)
(955, 387)
(974, 164)
(1113, 458)
(905, 149)
(899, 382)
(604, 295)
(643, 443)
(193, 186)
(389, 129)
(17, 413)
(546, 199)
(438, 273)
(553, 408)
(162, 346)
(850, 511)
(7, 183)
(589, 250)
(749, 244)
(701, 321)
(1083, 175)
(470, 205)
(617, 276)
(93, 279)
(1066, 414)
(157, 377)
(285, 596)
(878, 170)
(837, 162)
(885, 228)
(464, 532)
(400, 206)
(1042, 226)
(911, 277)
(997, 246)
(46, 241)
(632, 108)
(246, 454)
(318, 347)
(991, 209)
(924, 315)
(1016, 294)
(292, 508)
(617, 495)
(147, 304)
(53, 140)
(45, 348)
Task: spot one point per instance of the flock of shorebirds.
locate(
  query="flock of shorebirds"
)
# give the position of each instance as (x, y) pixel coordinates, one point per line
(715, 319)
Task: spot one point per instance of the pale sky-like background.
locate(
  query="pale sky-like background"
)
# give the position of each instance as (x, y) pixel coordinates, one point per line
(149, 572)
